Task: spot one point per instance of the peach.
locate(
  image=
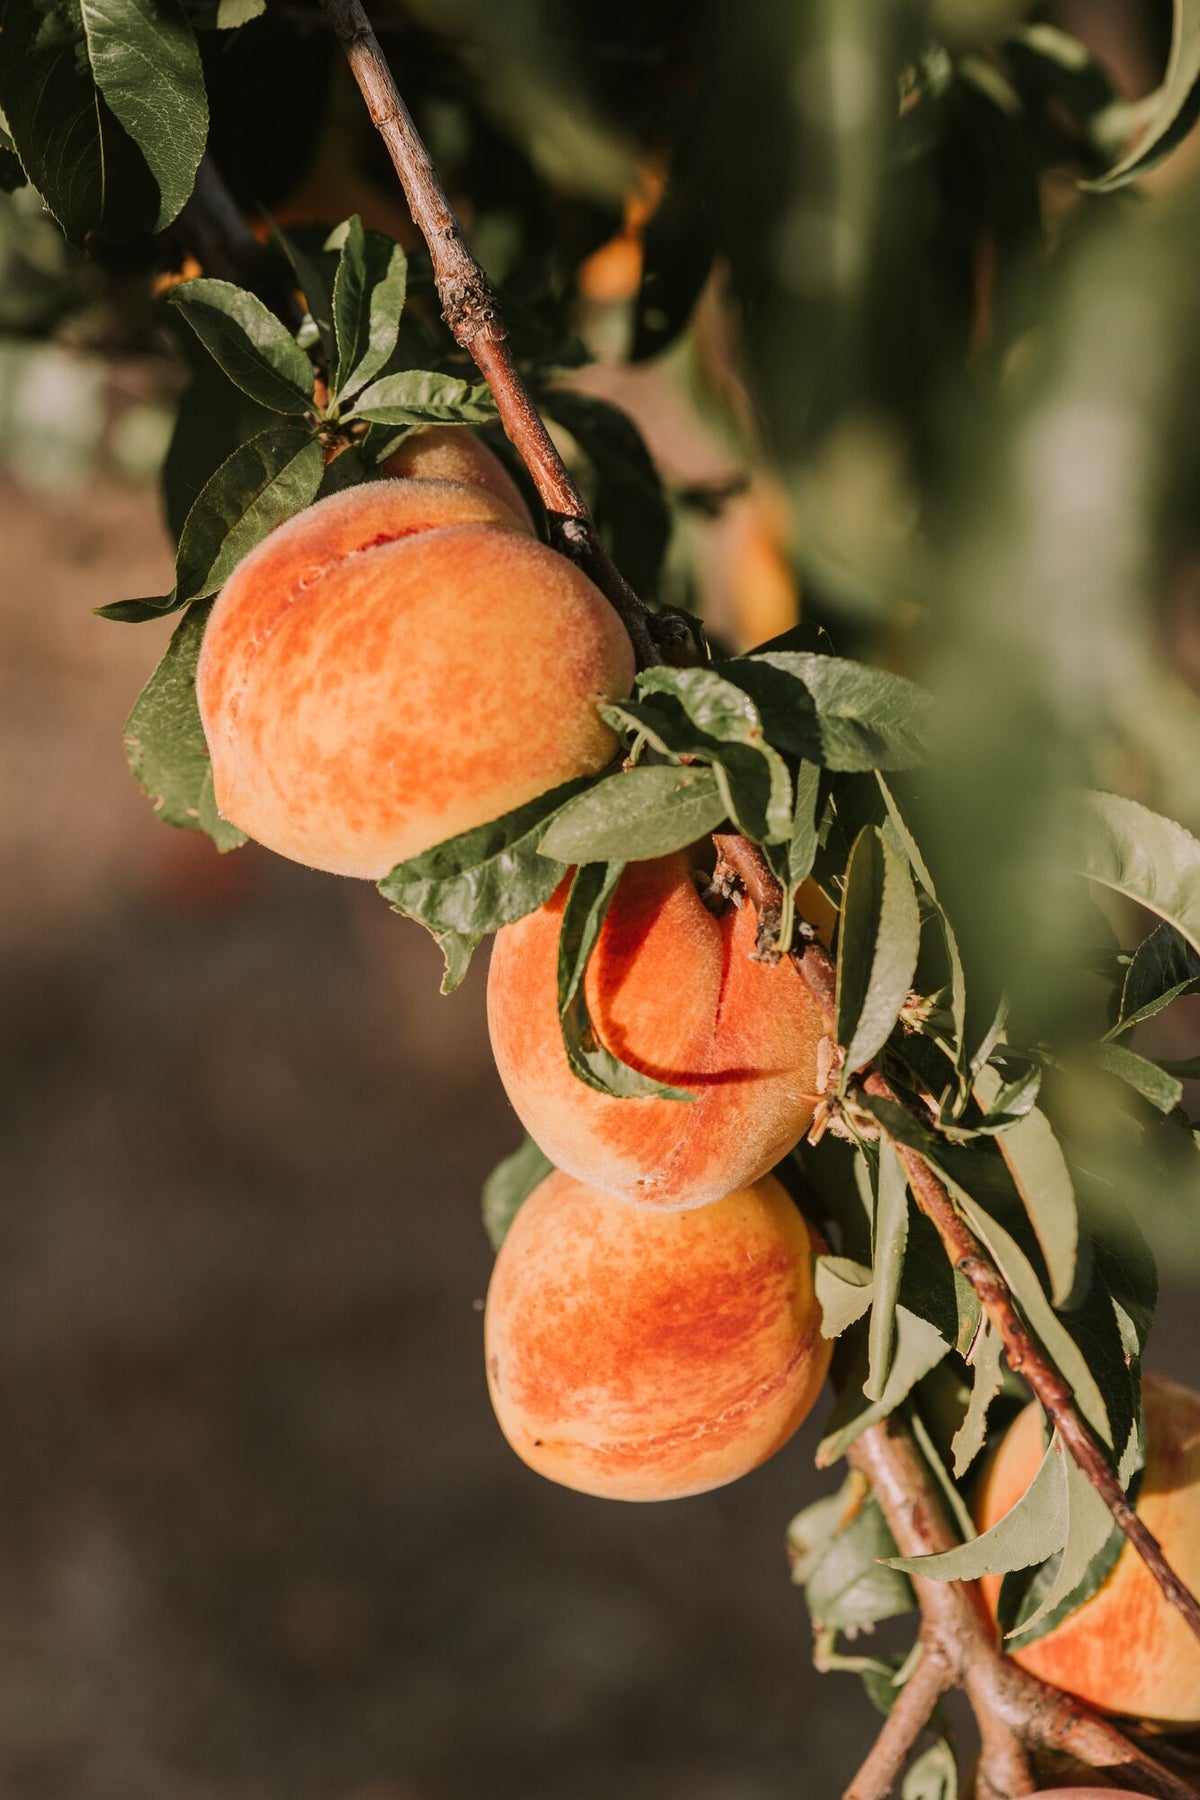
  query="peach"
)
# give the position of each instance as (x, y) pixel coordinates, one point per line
(397, 664)
(673, 991)
(645, 1356)
(1125, 1650)
(452, 453)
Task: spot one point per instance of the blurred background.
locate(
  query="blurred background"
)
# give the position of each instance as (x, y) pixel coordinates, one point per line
(260, 1534)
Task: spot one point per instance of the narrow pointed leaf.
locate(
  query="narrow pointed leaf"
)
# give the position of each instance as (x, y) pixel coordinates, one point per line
(418, 397)
(890, 1238)
(636, 814)
(265, 482)
(592, 889)
(368, 298)
(165, 744)
(252, 346)
(1035, 1528)
(508, 1187)
(985, 1361)
(877, 946)
(919, 1347)
(1146, 857)
(1154, 1084)
(1090, 1534)
(1041, 1177)
(1175, 108)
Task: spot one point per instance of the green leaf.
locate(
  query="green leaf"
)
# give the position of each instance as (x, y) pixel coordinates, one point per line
(165, 744)
(315, 269)
(1035, 1528)
(844, 1290)
(1023, 1283)
(636, 814)
(1040, 1175)
(802, 848)
(591, 892)
(933, 1775)
(107, 109)
(482, 879)
(1163, 968)
(843, 715)
(851, 1584)
(985, 1361)
(890, 1235)
(232, 13)
(1163, 1090)
(958, 984)
(265, 482)
(256, 351)
(1146, 857)
(418, 397)
(368, 298)
(1089, 1543)
(751, 778)
(877, 946)
(508, 1187)
(627, 497)
(1173, 109)
(919, 1347)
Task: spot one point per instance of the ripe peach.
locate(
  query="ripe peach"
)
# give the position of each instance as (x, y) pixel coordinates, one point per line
(644, 1356)
(673, 991)
(451, 453)
(1126, 1650)
(397, 664)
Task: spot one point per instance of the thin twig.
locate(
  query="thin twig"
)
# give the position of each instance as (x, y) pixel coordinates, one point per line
(904, 1724)
(972, 1260)
(470, 310)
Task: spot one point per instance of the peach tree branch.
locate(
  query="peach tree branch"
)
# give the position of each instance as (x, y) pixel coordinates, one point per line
(470, 310)
(970, 1258)
(1015, 1711)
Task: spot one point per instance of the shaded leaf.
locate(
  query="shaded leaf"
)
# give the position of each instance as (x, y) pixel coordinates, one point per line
(919, 1347)
(1175, 107)
(368, 297)
(508, 1187)
(482, 879)
(802, 848)
(419, 397)
(843, 715)
(844, 1290)
(1077, 1570)
(628, 499)
(636, 814)
(256, 351)
(107, 108)
(265, 482)
(1163, 968)
(985, 1361)
(851, 1584)
(933, 1775)
(1035, 1528)
(1146, 857)
(877, 947)
(588, 900)
(752, 779)
(890, 1235)
(1040, 1175)
(1162, 1089)
(165, 743)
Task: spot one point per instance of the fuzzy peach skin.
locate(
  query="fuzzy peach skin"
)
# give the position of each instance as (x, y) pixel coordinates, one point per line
(673, 991)
(1126, 1650)
(645, 1356)
(397, 664)
(452, 453)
